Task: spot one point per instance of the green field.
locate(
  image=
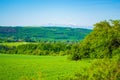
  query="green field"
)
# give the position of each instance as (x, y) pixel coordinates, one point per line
(14, 43)
(26, 67)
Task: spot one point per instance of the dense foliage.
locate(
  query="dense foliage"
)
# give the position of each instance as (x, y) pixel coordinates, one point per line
(100, 69)
(36, 34)
(104, 41)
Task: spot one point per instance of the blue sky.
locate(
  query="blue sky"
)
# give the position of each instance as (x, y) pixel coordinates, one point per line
(57, 12)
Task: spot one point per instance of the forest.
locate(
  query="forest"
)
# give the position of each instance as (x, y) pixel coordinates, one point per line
(41, 33)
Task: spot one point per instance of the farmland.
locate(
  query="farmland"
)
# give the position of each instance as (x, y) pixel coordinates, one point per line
(26, 67)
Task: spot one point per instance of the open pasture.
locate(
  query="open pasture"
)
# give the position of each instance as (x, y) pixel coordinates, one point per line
(26, 67)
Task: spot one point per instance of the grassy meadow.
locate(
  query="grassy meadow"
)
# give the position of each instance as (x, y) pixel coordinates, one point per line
(14, 43)
(26, 67)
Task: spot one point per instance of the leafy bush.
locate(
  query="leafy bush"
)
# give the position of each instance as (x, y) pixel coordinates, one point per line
(100, 69)
(103, 41)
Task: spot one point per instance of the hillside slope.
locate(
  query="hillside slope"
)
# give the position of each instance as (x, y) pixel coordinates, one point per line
(42, 33)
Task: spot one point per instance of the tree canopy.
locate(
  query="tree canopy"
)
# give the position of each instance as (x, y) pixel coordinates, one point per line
(103, 41)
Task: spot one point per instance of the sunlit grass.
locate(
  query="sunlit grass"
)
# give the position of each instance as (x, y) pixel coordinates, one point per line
(13, 43)
(24, 67)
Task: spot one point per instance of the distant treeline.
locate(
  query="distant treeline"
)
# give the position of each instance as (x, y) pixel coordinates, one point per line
(37, 34)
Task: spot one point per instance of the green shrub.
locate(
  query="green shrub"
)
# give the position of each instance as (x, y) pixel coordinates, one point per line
(103, 41)
(100, 69)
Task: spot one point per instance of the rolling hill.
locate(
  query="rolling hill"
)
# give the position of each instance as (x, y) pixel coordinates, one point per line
(36, 34)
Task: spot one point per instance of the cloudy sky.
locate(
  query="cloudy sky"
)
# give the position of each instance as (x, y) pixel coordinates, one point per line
(57, 12)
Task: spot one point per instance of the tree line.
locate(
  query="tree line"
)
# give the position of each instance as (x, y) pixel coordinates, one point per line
(41, 48)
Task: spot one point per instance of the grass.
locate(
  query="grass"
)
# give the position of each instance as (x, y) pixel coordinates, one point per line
(14, 43)
(25, 67)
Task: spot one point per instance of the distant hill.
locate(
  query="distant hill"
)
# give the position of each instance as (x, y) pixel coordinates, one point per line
(31, 34)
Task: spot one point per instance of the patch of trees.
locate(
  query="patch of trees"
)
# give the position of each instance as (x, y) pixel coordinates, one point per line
(41, 48)
(103, 41)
